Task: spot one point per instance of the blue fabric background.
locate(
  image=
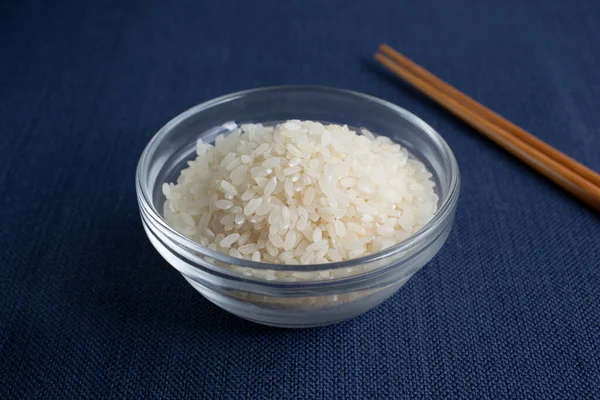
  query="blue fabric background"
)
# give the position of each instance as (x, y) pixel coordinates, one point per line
(510, 308)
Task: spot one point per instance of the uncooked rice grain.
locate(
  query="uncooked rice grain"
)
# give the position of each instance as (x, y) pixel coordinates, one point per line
(300, 192)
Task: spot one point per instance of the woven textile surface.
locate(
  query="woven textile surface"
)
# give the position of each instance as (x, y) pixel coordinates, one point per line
(509, 308)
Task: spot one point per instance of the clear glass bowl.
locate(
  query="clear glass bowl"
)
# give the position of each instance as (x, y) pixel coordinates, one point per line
(305, 303)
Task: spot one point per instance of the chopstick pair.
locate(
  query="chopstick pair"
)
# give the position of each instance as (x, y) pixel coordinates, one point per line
(558, 167)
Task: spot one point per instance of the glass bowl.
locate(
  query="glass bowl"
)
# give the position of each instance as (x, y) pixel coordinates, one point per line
(309, 302)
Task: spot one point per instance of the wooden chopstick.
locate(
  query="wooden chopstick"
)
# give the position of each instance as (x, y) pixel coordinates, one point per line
(491, 115)
(563, 170)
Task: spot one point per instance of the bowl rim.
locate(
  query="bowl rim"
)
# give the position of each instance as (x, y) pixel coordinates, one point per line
(444, 211)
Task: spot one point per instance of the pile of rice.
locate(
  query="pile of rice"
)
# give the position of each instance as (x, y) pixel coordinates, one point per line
(300, 193)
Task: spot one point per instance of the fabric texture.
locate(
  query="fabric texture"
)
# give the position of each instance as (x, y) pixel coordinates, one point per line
(510, 307)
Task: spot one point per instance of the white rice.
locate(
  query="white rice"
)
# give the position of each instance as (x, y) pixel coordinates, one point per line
(300, 193)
